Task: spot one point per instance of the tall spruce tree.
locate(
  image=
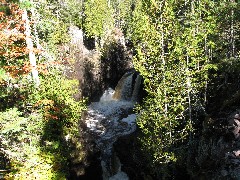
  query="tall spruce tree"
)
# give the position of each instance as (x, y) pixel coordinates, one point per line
(171, 38)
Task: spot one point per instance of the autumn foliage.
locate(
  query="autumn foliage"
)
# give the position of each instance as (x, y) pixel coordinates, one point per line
(35, 116)
(13, 50)
(12, 38)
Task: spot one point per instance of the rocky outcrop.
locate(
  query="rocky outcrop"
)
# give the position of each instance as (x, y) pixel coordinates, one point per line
(134, 162)
(4, 164)
(216, 154)
(95, 71)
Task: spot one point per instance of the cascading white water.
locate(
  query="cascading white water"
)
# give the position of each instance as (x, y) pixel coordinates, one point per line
(111, 118)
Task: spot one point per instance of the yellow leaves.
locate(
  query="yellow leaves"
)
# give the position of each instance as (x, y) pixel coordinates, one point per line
(154, 4)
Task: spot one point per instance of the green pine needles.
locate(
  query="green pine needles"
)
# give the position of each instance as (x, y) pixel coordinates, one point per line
(171, 38)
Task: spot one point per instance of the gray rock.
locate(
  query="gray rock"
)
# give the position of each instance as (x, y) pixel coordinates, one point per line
(224, 172)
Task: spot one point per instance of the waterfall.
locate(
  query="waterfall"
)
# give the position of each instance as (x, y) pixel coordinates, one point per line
(111, 118)
(123, 91)
(107, 95)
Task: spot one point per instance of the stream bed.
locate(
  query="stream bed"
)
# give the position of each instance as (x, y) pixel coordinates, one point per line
(111, 118)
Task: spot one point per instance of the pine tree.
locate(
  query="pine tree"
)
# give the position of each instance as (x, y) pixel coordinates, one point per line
(171, 39)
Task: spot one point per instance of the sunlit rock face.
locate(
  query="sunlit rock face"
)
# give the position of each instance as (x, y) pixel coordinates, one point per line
(111, 118)
(95, 70)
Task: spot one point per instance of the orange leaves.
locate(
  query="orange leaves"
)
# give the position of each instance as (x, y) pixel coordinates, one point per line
(12, 38)
(13, 50)
(42, 69)
(37, 51)
(16, 36)
(34, 50)
(15, 11)
(27, 68)
(45, 102)
(50, 109)
(1, 14)
(8, 39)
(16, 71)
(14, 53)
(50, 116)
(10, 53)
(2, 25)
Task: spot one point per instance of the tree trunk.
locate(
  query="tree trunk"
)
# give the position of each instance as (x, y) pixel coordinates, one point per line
(29, 42)
(232, 38)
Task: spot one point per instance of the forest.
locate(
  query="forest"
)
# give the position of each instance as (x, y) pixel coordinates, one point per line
(59, 58)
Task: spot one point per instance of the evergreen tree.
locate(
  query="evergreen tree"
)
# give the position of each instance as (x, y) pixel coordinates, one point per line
(171, 39)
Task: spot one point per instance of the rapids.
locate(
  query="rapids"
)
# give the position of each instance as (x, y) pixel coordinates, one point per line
(111, 118)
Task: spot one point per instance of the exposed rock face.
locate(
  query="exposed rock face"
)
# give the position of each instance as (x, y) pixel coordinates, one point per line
(213, 155)
(131, 157)
(111, 118)
(96, 71)
(216, 154)
(3, 164)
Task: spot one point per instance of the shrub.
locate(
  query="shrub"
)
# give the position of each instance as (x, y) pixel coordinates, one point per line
(33, 136)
